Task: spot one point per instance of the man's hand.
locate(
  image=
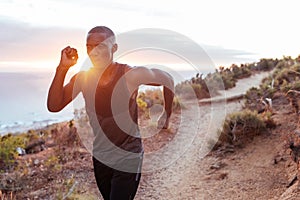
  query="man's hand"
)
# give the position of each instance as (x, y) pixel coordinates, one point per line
(68, 58)
(163, 121)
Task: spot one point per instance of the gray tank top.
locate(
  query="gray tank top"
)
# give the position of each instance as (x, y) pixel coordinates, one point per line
(113, 116)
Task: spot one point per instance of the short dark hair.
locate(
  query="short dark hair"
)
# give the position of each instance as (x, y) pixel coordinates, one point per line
(103, 29)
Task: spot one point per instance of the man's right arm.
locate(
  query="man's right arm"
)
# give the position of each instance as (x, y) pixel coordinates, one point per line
(59, 95)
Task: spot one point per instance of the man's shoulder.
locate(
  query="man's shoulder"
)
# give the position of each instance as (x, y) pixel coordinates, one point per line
(79, 75)
(124, 66)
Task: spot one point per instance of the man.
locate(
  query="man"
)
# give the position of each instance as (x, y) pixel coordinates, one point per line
(110, 90)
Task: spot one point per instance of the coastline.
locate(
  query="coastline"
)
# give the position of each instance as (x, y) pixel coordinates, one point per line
(20, 127)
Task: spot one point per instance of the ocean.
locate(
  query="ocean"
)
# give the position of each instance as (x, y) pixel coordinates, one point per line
(23, 99)
(23, 102)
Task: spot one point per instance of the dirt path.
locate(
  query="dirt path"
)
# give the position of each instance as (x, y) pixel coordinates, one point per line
(249, 173)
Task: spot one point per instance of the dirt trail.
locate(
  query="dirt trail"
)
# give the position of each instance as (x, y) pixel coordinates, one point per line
(249, 173)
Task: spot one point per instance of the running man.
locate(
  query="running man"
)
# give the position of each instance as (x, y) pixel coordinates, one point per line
(110, 91)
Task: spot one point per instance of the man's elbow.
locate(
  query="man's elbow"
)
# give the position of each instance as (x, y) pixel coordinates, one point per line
(53, 108)
(168, 79)
(171, 83)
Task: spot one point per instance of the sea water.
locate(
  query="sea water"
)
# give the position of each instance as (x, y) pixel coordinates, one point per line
(23, 102)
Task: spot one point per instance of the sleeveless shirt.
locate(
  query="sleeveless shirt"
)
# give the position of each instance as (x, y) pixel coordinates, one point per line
(113, 116)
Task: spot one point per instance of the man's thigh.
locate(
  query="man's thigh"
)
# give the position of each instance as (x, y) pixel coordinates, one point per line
(124, 185)
(103, 175)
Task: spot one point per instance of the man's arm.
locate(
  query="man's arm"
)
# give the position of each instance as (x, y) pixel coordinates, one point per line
(59, 95)
(155, 77)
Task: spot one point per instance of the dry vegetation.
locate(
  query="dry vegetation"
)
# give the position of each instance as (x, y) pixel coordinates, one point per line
(257, 117)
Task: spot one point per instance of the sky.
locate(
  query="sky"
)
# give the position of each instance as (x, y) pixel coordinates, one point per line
(33, 32)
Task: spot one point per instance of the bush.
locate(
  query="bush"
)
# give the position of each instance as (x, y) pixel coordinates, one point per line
(229, 81)
(252, 97)
(191, 90)
(143, 108)
(215, 82)
(289, 73)
(240, 72)
(266, 64)
(147, 99)
(280, 65)
(177, 104)
(241, 127)
(8, 152)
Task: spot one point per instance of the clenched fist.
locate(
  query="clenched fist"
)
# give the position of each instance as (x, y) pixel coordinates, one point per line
(68, 58)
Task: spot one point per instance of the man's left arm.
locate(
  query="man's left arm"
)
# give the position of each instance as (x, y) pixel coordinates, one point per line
(163, 121)
(155, 77)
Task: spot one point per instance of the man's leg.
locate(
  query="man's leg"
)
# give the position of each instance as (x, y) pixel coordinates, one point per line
(124, 185)
(103, 175)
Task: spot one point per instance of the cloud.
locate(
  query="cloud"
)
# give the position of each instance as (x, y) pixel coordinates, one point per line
(160, 42)
(134, 6)
(225, 57)
(23, 42)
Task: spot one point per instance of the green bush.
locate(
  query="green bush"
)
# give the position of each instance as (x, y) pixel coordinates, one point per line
(143, 108)
(252, 95)
(266, 64)
(8, 153)
(240, 72)
(286, 86)
(286, 76)
(241, 127)
(147, 99)
(177, 104)
(229, 81)
(215, 82)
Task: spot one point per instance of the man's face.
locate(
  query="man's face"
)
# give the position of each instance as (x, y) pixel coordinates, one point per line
(100, 49)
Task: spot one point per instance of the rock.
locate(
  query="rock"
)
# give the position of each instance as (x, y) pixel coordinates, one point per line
(218, 165)
(36, 162)
(20, 151)
(35, 146)
(222, 176)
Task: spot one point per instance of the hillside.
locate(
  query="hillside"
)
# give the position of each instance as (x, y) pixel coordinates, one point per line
(258, 168)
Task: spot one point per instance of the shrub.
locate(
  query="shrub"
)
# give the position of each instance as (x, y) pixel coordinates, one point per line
(266, 64)
(143, 108)
(286, 86)
(177, 104)
(215, 82)
(241, 127)
(286, 76)
(280, 65)
(192, 90)
(8, 152)
(240, 72)
(229, 81)
(252, 96)
(149, 98)
(188, 90)
(268, 85)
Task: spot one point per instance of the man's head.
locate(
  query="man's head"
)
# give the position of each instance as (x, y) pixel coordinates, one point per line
(101, 45)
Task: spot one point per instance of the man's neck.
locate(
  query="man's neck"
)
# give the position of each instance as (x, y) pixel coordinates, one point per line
(103, 68)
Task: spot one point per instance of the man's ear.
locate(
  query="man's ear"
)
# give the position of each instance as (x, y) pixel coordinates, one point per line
(114, 48)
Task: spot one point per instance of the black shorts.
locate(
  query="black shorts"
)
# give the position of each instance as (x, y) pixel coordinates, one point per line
(114, 184)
